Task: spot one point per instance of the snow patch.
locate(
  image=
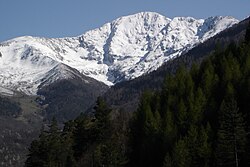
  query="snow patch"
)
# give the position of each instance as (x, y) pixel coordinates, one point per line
(6, 92)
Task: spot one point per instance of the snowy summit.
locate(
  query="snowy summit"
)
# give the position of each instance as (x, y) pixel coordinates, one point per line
(124, 49)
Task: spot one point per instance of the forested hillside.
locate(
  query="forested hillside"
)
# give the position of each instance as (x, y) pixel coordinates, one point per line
(200, 117)
(126, 94)
(66, 99)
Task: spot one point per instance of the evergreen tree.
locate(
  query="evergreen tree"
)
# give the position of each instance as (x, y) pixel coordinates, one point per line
(181, 154)
(182, 117)
(198, 107)
(54, 144)
(37, 152)
(83, 136)
(192, 144)
(169, 129)
(146, 134)
(50, 149)
(102, 115)
(231, 135)
(168, 161)
(102, 156)
(204, 148)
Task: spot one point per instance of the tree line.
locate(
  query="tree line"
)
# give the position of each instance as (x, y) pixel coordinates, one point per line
(199, 118)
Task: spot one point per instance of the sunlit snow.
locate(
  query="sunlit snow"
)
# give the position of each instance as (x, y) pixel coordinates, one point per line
(121, 50)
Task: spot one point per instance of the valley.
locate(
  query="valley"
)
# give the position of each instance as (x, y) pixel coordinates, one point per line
(43, 79)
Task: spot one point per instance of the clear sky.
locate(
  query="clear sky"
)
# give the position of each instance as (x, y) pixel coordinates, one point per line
(61, 18)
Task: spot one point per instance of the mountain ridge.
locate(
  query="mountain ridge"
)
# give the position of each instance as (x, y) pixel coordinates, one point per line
(125, 96)
(123, 49)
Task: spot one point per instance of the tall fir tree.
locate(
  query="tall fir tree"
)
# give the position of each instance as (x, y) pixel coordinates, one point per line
(181, 154)
(102, 115)
(231, 135)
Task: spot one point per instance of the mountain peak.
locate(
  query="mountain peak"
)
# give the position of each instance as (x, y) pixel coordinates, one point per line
(123, 49)
(143, 15)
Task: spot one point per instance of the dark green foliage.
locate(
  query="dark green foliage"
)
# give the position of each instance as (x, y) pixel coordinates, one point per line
(86, 141)
(51, 149)
(168, 162)
(192, 122)
(189, 123)
(102, 116)
(181, 154)
(231, 135)
(146, 134)
(126, 94)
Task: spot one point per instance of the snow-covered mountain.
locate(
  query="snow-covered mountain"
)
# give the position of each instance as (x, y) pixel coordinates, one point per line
(124, 49)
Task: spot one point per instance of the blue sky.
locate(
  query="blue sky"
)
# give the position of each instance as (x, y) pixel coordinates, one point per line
(61, 18)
